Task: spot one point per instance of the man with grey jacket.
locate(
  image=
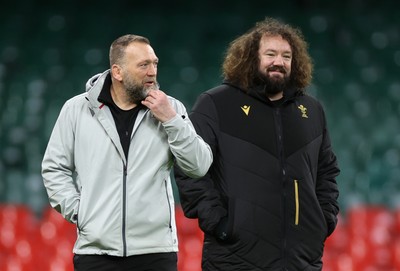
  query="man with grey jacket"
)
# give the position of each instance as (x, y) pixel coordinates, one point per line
(108, 162)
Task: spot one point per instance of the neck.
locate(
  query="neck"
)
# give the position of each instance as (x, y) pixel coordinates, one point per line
(120, 98)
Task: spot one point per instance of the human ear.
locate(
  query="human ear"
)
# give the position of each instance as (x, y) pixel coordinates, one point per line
(116, 72)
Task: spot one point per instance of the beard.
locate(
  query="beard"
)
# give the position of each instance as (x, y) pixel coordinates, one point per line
(137, 92)
(274, 84)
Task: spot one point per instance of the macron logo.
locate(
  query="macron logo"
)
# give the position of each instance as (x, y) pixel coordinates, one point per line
(246, 109)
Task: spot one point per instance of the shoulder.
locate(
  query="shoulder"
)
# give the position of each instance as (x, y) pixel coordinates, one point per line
(220, 101)
(76, 101)
(75, 105)
(219, 94)
(223, 89)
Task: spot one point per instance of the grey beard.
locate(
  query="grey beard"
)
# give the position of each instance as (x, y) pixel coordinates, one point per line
(137, 93)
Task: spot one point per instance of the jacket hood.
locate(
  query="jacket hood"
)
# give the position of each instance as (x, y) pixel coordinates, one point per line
(91, 82)
(94, 86)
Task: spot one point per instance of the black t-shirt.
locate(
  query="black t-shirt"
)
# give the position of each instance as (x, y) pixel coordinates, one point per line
(124, 119)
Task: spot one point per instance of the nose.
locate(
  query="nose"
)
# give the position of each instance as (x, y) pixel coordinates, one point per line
(278, 61)
(152, 70)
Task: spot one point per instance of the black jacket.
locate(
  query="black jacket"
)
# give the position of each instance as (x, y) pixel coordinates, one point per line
(269, 200)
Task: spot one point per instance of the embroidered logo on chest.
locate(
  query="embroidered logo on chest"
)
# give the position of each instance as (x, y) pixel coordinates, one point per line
(303, 111)
(246, 109)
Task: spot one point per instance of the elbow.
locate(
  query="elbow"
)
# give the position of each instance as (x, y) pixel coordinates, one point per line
(205, 165)
(200, 168)
(199, 171)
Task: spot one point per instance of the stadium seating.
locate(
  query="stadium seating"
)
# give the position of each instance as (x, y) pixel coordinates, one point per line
(367, 238)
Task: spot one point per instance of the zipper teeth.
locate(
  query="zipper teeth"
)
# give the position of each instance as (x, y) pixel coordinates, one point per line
(278, 124)
(169, 205)
(124, 213)
(296, 198)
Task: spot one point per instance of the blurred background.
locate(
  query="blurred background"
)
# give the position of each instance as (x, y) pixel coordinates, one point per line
(48, 49)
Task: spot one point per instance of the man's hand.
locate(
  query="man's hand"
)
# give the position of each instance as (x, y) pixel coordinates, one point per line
(157, 102)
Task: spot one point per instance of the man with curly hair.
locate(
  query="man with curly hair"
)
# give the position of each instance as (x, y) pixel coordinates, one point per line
(269, 200)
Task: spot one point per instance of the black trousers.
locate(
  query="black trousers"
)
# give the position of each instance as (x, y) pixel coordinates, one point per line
(146, 262)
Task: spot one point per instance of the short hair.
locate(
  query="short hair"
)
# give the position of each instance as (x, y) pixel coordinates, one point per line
(241, 61)
(117, 48)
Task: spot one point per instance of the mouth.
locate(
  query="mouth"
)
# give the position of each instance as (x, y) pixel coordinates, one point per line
(276, 72)
(149, 83)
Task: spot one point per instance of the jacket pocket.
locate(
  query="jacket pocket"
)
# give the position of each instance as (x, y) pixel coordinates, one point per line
(296, 202)
(224, 228)
(169, 205)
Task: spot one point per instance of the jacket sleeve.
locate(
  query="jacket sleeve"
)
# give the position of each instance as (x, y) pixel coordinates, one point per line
(199, 197)
(192, 154)
(58, 168)
(326, 187)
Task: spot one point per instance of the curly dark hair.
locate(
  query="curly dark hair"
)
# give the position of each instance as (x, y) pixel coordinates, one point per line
(241, 61)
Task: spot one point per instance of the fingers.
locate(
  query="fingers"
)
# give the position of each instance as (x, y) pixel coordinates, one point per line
(154, 97)
(149, 99)
(155, 93)
(159, 105)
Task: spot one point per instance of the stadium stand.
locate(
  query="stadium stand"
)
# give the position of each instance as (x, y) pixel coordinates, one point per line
(49, 48)
(369, 239)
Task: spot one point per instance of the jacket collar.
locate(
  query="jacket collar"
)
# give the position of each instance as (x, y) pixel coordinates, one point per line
(258, 92)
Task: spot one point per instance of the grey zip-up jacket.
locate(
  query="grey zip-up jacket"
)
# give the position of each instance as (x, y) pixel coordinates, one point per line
(121, 207)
